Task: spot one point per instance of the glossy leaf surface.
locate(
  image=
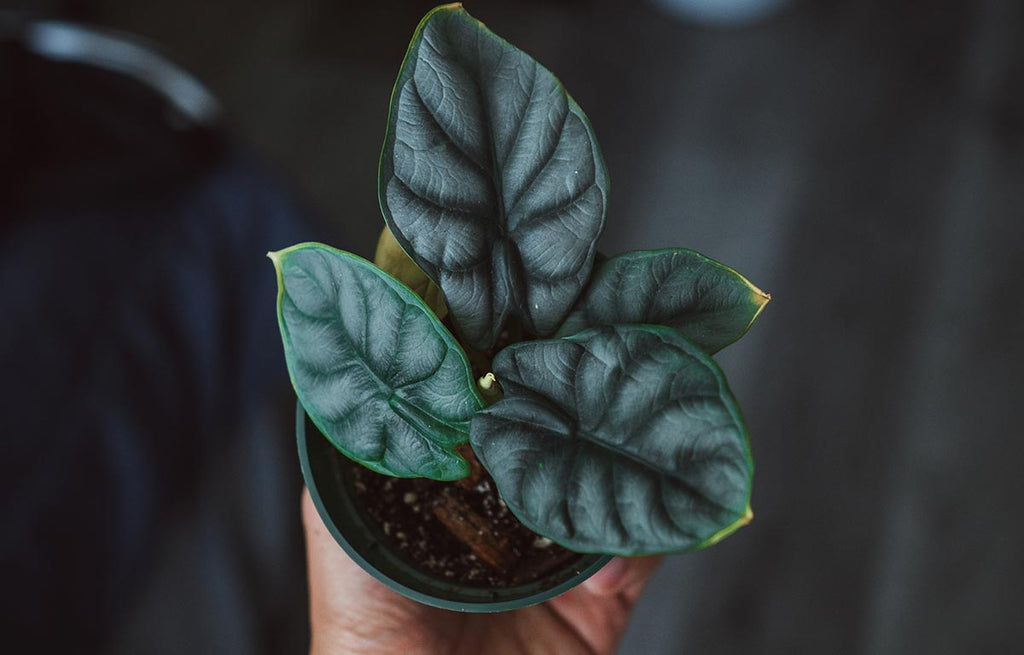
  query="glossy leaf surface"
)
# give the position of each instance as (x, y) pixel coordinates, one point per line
(491, 178)
(711, 304)
(621, 440)
(378, 374)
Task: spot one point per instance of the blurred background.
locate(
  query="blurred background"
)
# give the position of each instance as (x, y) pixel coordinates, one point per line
(863, 161)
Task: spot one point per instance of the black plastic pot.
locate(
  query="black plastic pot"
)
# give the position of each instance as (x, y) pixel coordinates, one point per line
(333, 494)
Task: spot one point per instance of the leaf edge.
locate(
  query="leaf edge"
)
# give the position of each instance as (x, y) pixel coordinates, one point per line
(277, 258)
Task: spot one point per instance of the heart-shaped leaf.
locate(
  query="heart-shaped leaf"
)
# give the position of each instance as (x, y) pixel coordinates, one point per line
(711, 304)
(620, 440)
(376, 371)
(490, 178)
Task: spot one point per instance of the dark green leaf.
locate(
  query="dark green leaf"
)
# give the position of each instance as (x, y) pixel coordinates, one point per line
(378, 374)
(490, 178)
(711, 304)
(620, 440)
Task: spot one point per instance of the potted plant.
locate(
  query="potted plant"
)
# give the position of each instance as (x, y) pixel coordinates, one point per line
(492, 384)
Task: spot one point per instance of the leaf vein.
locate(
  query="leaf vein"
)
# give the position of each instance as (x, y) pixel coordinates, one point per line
(536, 175)
(437, 121)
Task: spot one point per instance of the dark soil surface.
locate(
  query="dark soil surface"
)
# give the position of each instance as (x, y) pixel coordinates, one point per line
(460, 531)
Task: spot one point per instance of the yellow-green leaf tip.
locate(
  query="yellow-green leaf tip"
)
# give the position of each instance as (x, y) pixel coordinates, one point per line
(747, 517)
(762, 299)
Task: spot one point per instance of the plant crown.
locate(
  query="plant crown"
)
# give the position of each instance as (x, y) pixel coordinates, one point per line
(610, 428)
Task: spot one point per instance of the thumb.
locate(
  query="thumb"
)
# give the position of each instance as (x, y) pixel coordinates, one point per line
(328, 569)
(342, 596)
(623, 575)
(349, 611)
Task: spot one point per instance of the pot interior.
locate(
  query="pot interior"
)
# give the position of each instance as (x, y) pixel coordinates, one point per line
(331, 489)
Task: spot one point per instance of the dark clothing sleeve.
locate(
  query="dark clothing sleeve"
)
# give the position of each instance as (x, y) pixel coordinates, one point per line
(138, 338)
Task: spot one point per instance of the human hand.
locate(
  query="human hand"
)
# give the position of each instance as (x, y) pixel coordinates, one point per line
(352, 613)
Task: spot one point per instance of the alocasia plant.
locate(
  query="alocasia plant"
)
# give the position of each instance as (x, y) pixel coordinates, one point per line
(614, 430)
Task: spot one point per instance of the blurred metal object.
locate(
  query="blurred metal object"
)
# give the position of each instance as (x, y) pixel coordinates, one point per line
(721, 13)
(126, 55)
